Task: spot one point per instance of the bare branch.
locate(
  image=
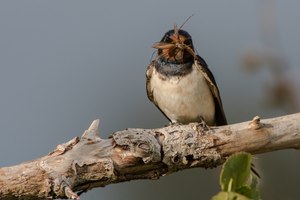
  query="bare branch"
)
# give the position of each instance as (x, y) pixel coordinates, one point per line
(88, 162)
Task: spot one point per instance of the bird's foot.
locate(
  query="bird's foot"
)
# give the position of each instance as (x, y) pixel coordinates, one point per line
(204, 126)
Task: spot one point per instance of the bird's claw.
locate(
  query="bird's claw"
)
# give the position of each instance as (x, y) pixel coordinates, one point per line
(204, 125)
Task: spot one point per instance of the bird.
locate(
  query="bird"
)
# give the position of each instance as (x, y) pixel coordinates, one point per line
(180, 84)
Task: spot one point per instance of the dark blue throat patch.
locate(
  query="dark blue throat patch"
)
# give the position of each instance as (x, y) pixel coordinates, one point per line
(169, 68)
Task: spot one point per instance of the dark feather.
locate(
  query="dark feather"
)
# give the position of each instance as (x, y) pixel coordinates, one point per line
(220, 117)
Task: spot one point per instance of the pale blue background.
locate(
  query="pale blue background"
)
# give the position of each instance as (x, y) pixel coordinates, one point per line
(66, 63)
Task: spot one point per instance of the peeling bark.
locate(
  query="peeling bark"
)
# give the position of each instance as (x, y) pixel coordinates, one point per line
(88, 162)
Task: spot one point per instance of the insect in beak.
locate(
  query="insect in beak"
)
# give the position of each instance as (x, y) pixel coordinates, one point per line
(176, 46)
(162, 45)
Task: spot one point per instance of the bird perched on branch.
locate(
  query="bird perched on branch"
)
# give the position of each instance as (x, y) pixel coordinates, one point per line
(180, 83)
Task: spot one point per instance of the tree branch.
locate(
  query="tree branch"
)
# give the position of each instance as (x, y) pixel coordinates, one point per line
(88, 162)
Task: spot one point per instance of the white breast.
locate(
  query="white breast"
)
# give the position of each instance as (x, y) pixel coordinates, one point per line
(186, 99)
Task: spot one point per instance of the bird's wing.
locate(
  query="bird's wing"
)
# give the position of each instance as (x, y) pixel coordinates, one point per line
(149, 73)
(220, 117)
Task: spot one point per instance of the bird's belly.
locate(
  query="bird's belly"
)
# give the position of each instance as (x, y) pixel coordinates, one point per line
(186, 99)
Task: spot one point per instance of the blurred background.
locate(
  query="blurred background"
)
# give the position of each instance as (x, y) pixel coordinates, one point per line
(66, 63)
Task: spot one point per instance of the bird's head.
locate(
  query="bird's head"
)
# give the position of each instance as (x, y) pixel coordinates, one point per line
(176, 46)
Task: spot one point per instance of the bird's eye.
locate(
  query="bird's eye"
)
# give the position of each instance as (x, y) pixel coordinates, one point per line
(188, 42)
(168, 39)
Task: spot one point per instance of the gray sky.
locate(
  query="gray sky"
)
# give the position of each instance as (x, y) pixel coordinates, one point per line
(66, 63)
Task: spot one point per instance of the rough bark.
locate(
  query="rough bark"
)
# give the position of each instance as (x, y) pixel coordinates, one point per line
(88, 162)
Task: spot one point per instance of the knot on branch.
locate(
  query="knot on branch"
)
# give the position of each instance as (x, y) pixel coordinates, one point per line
(255, 123)
(134, 145)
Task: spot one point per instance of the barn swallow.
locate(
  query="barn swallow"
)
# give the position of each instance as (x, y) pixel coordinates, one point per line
(180, 84)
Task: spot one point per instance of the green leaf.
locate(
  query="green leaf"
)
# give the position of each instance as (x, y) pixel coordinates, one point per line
(237, 167)
(251, 193)
(229, 196)
(254, 182)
